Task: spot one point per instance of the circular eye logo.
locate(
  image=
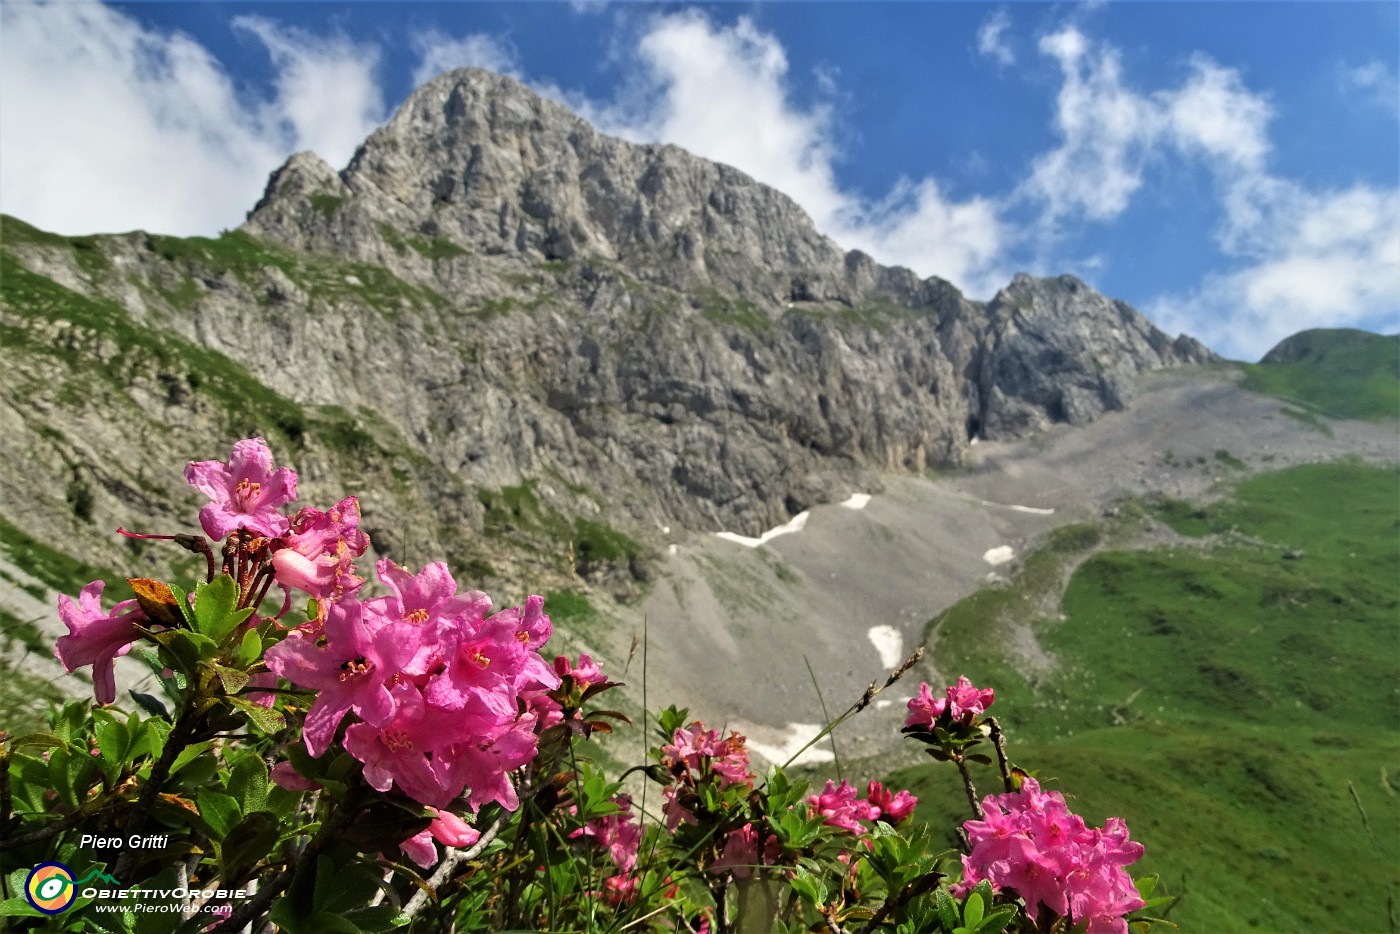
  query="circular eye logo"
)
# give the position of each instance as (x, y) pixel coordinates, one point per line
(50, 888)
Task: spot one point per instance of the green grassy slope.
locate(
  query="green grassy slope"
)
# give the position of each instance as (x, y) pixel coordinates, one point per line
(1238, 708)
(1342, 373)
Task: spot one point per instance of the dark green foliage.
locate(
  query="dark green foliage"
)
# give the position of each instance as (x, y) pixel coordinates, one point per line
(326, 204)
(596, 543)
(436, 248)
(569, 606)
(1339, 373)
(45, 563)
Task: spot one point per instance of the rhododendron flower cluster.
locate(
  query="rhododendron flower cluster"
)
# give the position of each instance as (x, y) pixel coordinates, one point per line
(620, 835)
(741, 851)
(696, 755)
(841, 808)
(1030, 842)
(961, 703)
(435, 682)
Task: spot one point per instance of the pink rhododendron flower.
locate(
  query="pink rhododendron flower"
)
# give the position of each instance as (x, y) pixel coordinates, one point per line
(448, 829)
(618, 832)
(486, 768)
(698, 750)
(96, 638)
(396, 754)
(348, 664)
(961, 701)
(841, 808)
(244, 493)
(740, 854)
(586, 672)
(966, 701)
(925, 708)
(286, 776)
(1030, 841)
(893, 808)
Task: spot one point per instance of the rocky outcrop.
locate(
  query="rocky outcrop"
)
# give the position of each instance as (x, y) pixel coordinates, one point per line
(539, 325)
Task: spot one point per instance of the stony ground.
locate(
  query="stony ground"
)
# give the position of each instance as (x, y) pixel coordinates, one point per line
(729, 626)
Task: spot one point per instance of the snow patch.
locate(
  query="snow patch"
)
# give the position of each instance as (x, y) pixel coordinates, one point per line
(795, 525)
(889, 643)
(856, 501)
(797, 736)
(999, 555)
(1033, 510)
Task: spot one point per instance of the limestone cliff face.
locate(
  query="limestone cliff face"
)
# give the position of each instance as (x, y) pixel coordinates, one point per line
(531, 325)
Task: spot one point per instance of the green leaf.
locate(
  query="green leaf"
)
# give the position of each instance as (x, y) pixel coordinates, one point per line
(997, 920)
(186, 649)
(215, 613)
(948, 914)
(265, 719)
(247, 843)
(248, 782)
(152, 705)
(189, 754)
(250, 649)
(220, 811)
(972, 910)
(113, 743)
(19, 908)
(232, 679)
(36, 739)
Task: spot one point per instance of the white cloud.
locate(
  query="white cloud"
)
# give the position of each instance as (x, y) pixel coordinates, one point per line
(1376, 83)
(1215, 115)
(1107, 132)
(328, 95)
(721, 93)
(1318, 260)
(438, 53)
(991, 39)
(106, 125)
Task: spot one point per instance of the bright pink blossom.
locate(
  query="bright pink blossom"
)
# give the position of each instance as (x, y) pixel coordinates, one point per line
(1030, 842)
(397, 754)
(320, 550)
(966, 701)
(893, 808)
(244, 493)
(841, 808)
(961, 702)
(741, 855)
(618, 832)
(448, 829)
(925, 708)
(96, 638)
(701, 751)
(348, 664)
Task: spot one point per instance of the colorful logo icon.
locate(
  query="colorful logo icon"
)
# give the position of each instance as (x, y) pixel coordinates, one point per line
(50, 888)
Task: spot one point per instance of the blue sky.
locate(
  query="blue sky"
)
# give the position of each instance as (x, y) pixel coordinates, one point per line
(1231, 169)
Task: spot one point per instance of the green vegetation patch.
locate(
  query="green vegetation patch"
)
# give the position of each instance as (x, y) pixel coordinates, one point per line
(595, 543)
(1237, 706)
(45, 563)
(741, 312)
(1339, 373)
(327, 205)
(569, 606)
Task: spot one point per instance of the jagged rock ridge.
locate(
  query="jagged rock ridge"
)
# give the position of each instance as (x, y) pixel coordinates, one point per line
(651, 339)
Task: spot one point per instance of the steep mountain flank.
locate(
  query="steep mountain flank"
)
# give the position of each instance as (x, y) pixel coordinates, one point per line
(546, 344)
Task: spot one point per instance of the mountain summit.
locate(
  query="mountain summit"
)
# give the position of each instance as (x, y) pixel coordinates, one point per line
(557, 334)
(692, 316)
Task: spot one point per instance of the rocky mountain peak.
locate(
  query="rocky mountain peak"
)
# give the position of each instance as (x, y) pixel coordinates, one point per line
(482, 162)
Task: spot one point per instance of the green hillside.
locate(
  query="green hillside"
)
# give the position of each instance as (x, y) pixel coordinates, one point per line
(1340, 373)
(1239, 708)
